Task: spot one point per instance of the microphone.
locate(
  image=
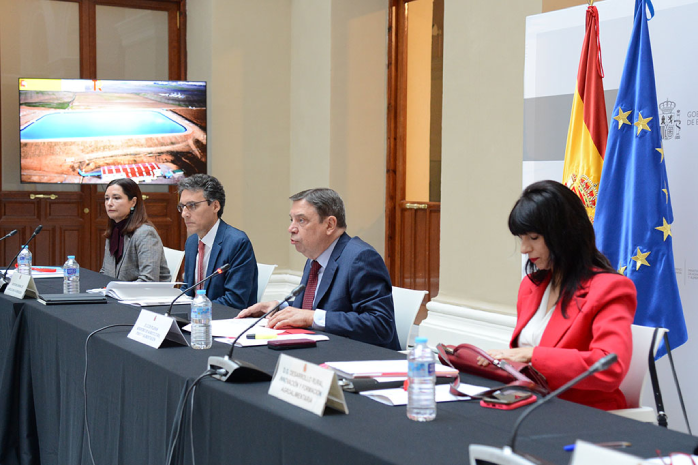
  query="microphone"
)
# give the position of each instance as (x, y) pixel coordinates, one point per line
(229, 369)
(220, 270)
(9, 234)
(507, 454)
(600, 365)
(36, 231)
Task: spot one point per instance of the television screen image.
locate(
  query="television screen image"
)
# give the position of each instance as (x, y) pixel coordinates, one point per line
(79, 131)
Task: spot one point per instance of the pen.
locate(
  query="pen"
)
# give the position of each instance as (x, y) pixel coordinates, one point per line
(612, 445)
(261, 336)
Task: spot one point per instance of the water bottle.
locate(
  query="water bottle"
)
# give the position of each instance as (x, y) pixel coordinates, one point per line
(71, 276)
(201, 321)
(24, 261)
(421, 403)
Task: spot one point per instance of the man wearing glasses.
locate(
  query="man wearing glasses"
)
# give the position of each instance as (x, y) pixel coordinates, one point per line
(212, 243)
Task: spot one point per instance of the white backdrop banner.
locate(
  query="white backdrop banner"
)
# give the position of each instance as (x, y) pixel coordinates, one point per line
(553, 47)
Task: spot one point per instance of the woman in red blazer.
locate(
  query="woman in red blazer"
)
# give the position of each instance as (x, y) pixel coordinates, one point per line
(573, 307)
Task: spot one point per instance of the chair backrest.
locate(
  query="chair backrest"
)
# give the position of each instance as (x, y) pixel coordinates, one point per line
(635, 380)
(407, 303)
(264, 273)
(174, 261)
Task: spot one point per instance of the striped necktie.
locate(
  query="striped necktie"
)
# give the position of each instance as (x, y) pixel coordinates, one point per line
(309, 295)
(200, 266)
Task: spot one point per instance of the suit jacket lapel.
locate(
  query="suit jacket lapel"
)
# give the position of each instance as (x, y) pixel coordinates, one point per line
(329, 272)
(558, 325)
(529, 305)
(127, 241)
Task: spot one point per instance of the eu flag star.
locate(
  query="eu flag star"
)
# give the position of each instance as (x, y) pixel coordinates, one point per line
(662, 152)
(641, 123)
(641, 258)
(665, 228)
(622, 117)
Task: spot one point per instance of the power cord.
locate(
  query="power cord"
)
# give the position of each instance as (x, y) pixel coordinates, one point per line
(84, 386)
(179, 415)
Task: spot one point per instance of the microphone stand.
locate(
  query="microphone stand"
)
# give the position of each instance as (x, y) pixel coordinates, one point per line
(507, 455)
(9, 234)
(3, 280)
(229, 369)
(184, 321)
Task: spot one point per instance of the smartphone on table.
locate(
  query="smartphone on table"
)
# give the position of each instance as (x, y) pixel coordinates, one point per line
(508, 400)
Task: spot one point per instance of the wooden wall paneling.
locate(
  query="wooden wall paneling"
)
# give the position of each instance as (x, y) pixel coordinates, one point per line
(418, 243)
(10, 246)
(434, 249)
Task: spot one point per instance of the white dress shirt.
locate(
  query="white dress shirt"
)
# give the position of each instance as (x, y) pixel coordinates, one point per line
(532, 333)
(208, 241)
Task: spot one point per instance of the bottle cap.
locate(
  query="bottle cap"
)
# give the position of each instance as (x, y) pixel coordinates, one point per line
(71, 257)
(201, 292)
(420, 340)
(24, 246)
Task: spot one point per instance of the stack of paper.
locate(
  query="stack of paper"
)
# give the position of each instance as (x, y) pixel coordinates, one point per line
(144, 294)
(398, 396)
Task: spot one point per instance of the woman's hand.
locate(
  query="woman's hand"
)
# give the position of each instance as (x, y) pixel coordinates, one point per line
(519, 354)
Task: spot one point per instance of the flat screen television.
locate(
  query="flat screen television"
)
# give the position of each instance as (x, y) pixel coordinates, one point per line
(79, 131)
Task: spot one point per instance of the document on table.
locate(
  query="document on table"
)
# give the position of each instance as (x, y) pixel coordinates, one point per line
(382, 368)
(398, 396)
(676, 459)
(232, 327)
(39, 272)
(244, 342)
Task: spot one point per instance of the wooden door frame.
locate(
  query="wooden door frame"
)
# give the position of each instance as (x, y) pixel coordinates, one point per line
(396, 131)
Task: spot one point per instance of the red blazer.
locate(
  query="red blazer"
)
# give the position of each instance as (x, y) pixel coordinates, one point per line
(598, 323)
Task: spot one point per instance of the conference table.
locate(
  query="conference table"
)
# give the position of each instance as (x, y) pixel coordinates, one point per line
(133, 391)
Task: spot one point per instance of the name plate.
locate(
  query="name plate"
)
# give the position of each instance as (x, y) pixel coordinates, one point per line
(307, 386)
(586, 453)
(153, 328)
(21, 285)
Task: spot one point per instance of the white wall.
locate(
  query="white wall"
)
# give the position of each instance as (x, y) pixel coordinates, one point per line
(297, 93)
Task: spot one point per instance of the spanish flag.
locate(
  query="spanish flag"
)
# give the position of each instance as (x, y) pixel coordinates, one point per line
(588, 131)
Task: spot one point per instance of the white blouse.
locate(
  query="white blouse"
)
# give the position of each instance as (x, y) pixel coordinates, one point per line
(532, 333)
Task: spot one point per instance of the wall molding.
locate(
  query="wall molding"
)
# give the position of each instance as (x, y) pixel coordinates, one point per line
(446, 323)
(455, 324)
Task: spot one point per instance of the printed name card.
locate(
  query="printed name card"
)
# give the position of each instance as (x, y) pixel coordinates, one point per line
(153, 328)
(307, 386)
(21, 285)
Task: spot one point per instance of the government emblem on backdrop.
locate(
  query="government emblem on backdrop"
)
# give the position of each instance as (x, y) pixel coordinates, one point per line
(586, 189)
(670, 120)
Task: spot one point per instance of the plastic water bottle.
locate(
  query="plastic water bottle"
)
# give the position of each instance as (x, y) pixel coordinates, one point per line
(201, 321)
(24, 261)
(421, 403)
(71, 276)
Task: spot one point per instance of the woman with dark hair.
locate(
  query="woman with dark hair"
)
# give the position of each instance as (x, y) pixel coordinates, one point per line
(133, 251)
(573, 308)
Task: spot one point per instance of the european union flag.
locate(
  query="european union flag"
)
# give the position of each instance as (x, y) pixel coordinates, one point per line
(633, 210)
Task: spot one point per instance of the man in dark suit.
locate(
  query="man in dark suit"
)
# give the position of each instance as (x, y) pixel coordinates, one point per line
(213, 243)
(348, 290)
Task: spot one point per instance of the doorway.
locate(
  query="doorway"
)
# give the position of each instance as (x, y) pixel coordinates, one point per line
(413, 172)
